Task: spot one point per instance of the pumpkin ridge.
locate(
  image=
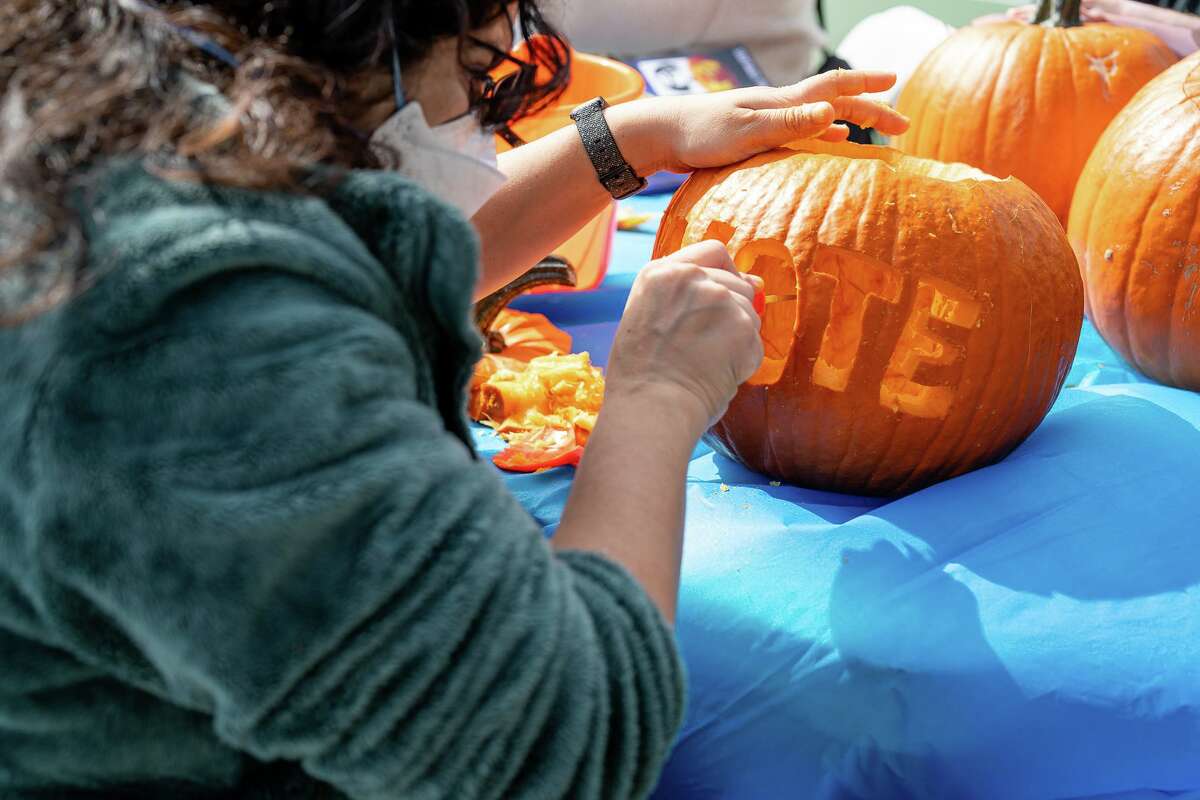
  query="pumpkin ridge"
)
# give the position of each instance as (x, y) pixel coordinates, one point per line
(772, 455)
(852, 438)
(932, 101)
(1096, 220)
(1062, 206)
(893, 430)
(1023, 395)
(916, 87)
(956, 466)
(1186, 271)
(829, 196)
(995, 148)
(1096, 192)
(1135, 263)
(950, 113)
(955, 458)
(1052, 381)
(898, 189)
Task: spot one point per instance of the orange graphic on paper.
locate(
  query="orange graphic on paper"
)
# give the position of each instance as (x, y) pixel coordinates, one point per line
(711, 74)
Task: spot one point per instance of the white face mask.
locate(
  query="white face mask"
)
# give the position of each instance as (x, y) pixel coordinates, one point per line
(455, 161)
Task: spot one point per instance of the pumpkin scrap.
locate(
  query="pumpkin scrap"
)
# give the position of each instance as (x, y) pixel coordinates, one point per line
(631, 221)
(545, 449)
(540, 399)
(527, 336)
(546, 406)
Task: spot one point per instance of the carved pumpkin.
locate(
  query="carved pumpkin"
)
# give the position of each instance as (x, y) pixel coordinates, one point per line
(1134, 227)
(1027, 100)
(937, 311)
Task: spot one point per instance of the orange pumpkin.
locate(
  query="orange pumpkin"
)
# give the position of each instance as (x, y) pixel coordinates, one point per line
(937, 311)
(1027, 100)
(1135, 226)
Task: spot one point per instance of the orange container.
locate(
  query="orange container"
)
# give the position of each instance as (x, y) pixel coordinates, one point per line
(589, 249)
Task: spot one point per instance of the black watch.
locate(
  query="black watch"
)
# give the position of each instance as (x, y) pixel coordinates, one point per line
(612, 169)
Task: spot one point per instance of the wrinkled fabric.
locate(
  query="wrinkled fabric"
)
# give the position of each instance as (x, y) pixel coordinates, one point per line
(1029, 631)
(246, 549)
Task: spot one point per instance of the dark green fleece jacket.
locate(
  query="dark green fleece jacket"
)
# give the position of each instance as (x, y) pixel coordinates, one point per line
(246, 549)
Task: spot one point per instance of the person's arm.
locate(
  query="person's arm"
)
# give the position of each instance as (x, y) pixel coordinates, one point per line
(552, 189)
(688, 339)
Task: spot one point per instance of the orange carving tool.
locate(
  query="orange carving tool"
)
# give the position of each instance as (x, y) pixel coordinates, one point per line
(762, 300)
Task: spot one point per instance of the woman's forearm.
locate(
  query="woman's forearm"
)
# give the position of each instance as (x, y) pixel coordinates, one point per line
(552, 191)
(627, 502)
(552, 188)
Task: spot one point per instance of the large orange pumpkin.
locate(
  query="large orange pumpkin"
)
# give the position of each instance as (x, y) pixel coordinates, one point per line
(1135, 226)
(1027, 100)
(937, 312)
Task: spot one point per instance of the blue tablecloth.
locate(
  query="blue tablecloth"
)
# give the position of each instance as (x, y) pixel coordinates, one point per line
(1030, 630)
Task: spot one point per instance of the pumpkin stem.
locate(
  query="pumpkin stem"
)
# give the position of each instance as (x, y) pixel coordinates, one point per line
(1044, 12)
(552, 271)
(1066, 14)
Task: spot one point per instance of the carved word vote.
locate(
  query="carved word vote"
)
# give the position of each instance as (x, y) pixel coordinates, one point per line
(857, 280)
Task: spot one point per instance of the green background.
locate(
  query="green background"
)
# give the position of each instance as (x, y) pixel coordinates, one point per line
(842, 14)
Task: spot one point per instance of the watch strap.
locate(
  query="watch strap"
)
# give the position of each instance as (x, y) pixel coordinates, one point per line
(612, 169)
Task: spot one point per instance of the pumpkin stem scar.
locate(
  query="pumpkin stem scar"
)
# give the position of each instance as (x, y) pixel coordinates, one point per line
(1106, 67)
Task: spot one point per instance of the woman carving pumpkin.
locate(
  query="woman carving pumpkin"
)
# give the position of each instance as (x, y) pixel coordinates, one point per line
(247, 550)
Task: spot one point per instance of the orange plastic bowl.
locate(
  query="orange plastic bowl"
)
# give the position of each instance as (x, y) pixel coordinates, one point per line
(589, 249)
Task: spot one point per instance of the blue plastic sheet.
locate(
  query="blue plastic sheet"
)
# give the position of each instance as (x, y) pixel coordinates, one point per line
(1030, 630)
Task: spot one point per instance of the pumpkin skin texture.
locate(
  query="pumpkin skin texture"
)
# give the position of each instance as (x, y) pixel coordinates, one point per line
(1027, 100)
(937, 311)
(1135, 226)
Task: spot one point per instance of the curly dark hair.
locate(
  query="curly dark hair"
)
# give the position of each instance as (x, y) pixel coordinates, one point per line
(82, 81)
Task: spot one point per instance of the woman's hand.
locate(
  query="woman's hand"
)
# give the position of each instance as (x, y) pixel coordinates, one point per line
(684, 133)
(552, 188)
(689, 336)
(688, 339)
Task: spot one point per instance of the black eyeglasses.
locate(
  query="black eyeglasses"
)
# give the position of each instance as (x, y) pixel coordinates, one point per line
(501, 101)
(518, 93)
